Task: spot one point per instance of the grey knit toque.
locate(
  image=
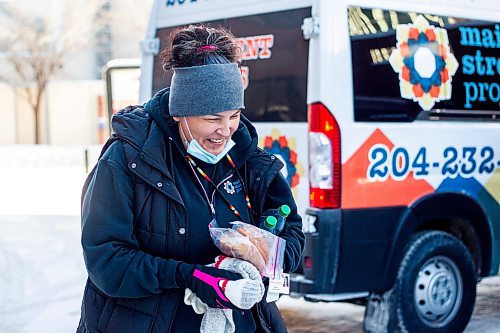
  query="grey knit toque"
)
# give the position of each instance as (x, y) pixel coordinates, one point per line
(204, 90)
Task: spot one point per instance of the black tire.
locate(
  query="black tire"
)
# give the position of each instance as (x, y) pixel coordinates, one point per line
(435, 288)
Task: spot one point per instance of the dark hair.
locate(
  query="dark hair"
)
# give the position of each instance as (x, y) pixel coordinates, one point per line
(186, 47)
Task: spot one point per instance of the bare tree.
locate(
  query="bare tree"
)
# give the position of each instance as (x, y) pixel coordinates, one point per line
(36, 38)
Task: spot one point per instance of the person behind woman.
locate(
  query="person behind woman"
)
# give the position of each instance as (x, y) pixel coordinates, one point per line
(184, 158)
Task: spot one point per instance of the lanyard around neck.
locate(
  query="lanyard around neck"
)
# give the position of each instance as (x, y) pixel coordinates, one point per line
(194, 166)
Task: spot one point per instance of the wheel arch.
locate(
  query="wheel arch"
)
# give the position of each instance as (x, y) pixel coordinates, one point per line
(455, 213)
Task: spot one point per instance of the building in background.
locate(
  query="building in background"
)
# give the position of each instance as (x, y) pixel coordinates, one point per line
(69, 109)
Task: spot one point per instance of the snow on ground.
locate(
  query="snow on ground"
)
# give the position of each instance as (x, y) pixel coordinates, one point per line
(42, 272)
(42, 180)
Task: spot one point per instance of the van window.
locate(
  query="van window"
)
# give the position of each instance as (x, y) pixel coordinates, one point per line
(474, 89)
(274, 66)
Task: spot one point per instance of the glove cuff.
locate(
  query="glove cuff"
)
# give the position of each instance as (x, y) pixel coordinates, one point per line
(223, 286)
(184, 275)
(218, 260)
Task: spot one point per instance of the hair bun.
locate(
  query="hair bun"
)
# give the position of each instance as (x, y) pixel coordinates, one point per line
(197, 45)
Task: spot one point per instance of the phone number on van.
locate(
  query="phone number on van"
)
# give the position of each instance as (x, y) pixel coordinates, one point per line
(397, 162)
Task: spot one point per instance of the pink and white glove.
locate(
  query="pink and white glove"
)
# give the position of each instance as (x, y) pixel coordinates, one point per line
(243, 293)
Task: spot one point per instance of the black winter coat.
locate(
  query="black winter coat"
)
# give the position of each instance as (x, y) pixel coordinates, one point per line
(134, 222)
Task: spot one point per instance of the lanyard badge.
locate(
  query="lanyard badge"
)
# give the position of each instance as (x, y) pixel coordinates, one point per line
(194, 166)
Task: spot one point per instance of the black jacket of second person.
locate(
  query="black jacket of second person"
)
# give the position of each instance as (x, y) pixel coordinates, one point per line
(135, 225)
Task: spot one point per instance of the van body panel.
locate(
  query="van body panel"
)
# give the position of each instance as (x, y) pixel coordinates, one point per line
(377, 156)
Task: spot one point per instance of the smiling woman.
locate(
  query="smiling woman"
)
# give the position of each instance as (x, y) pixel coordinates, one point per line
(213, 132)
(148, 203)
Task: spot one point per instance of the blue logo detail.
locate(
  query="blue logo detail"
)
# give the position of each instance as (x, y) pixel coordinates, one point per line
(234, 187)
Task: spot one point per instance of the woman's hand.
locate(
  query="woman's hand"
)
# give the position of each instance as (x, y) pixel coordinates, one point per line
(244, 293)
(208, 283)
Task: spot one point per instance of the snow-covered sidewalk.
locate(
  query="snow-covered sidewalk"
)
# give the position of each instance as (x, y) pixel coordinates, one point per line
(43, 180)
(42, 273)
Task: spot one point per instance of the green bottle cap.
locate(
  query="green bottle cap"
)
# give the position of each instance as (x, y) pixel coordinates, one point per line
(270, 222)
(284, 210)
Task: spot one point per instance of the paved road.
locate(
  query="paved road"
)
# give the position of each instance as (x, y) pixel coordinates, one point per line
(42, 276)
(302, 316)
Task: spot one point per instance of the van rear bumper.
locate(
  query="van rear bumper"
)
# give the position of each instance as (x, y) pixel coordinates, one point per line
(347, 250)
(322, 229)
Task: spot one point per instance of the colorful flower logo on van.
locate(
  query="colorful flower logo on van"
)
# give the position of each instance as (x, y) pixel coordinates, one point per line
(283, 148)
(424, 63)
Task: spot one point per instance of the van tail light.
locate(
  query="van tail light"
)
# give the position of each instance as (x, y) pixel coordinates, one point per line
(324, 158)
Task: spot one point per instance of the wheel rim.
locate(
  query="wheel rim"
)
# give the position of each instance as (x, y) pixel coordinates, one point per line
(438, 291)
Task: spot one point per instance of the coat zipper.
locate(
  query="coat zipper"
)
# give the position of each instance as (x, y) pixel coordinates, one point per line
(153, 319)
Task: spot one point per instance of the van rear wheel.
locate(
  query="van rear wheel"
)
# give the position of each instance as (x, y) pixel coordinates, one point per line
(435, 288)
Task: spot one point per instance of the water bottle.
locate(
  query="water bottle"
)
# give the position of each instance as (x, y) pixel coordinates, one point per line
(282, 214)
(268, 223)
(279, 215)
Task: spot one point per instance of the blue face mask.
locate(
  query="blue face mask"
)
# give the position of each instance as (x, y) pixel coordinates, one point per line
(196, 150)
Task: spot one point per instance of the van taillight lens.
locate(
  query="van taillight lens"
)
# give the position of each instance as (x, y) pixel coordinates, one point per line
(324, 158)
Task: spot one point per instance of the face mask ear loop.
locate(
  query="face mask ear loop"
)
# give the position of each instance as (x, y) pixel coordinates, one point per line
(183, 135)
(191, 135)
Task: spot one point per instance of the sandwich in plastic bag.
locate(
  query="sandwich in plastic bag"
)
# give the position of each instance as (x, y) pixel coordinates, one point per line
(247, 242)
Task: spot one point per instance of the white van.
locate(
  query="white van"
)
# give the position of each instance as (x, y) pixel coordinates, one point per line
(386, 115)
